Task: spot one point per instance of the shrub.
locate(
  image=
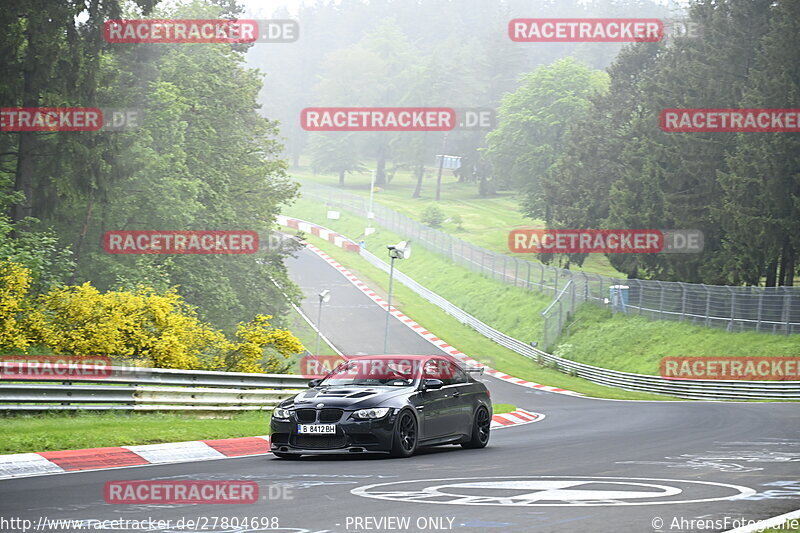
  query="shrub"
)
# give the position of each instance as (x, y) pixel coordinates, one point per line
(15, 281)
(433, 216)
(143, 326)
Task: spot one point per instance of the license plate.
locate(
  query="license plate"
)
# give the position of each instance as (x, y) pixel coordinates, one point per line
(316, 429)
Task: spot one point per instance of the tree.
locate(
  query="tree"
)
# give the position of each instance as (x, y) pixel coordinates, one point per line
(335, 152)
(533, 123)
(761, 202)
(669, 180)
(202, 159)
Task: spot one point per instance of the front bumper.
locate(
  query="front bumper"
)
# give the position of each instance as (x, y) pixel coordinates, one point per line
(352, 437)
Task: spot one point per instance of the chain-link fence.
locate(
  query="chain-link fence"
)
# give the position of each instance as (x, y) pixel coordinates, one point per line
(765, 309)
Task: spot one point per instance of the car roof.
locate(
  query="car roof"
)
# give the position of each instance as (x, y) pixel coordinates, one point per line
(400, 356)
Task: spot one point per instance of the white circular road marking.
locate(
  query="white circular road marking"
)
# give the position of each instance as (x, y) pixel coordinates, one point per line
(553, 491)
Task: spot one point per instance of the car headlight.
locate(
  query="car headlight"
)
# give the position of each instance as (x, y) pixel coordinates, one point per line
(378, 412)
(281, 414)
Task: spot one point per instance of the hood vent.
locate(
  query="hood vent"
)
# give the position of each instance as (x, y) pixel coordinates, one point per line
(362, 394)
(347, 393)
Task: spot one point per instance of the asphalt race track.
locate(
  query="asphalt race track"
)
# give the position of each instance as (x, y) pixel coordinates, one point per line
(589, 466)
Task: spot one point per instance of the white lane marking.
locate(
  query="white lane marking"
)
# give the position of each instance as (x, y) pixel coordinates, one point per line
(557, 490)
(551, 491)
(775, 522)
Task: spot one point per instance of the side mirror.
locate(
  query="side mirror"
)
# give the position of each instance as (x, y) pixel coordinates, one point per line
(313, 383)
(432, 384)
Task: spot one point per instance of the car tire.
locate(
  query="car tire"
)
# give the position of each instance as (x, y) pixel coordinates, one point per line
(289, 456)
(406, 435)
(480, 429)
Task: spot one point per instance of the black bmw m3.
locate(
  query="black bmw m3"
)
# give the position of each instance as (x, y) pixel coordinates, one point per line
(385, 404)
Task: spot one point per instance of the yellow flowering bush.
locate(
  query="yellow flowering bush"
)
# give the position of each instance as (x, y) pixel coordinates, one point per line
(248, 354)
(155, 329)
(15, 281)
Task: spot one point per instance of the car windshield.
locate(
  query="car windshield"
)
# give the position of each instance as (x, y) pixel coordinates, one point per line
(365, 372)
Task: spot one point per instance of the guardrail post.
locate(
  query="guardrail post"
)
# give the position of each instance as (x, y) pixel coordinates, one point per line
(708, 305)
(68, 384)
(661, 301)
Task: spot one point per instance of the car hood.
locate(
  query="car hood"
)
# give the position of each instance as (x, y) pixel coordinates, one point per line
(348, 397)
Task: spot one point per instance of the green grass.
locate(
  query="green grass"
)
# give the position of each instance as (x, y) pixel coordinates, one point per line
(465, 338)
(500, 408)
(626, 343)
(303, 331)
(513, 310)
(636, 344)
(486, 221)
(68, 431)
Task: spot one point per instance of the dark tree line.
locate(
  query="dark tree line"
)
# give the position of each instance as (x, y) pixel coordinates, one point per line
(202, 159)
(618, 169)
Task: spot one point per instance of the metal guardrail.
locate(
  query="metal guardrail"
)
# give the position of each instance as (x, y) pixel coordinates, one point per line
(764, 309)
(150, 389)
(691, 389)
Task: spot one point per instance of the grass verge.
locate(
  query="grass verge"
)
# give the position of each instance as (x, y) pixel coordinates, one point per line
(510, 309)
(303, 331)
(72, 431)
(482, 221)
(637, 344)
(619, 342)
(500, 408)
(465, 338)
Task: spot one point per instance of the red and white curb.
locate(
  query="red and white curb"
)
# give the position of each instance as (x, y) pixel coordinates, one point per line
(515, 418)
(430, 337)
(60, 462)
